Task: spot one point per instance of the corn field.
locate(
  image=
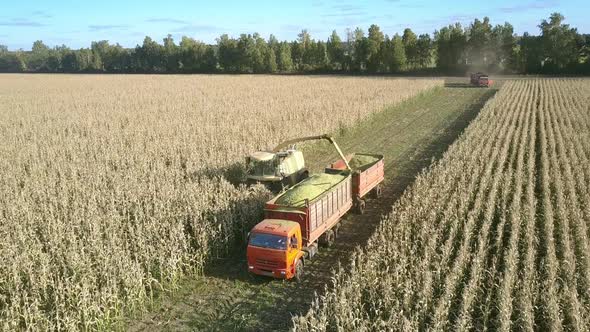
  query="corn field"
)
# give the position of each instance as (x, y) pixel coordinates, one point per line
(493, 236)
(113, 187)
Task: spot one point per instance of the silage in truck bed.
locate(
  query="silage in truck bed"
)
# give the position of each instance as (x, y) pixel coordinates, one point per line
(309, 189)
(362, 162)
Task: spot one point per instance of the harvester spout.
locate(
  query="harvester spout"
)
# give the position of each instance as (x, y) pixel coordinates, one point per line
(331, 140)
(309, 138)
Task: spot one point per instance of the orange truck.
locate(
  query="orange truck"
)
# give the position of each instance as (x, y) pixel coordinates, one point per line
(289, 235)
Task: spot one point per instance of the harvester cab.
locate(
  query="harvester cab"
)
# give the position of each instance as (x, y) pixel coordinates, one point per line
(282, 167)
(276, 169)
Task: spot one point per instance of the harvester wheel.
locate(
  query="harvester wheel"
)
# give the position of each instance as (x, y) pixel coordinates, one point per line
(378, 191)
(299, 271)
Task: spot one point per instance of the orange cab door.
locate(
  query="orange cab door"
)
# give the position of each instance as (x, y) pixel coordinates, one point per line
(293, 251)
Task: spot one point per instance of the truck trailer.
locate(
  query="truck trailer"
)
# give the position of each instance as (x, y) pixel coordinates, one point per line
(309, 213)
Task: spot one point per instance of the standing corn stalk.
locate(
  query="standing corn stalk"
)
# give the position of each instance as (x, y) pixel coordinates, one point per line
(520, 172)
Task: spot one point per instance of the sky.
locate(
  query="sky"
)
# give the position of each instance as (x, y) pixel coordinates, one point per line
(78, 23)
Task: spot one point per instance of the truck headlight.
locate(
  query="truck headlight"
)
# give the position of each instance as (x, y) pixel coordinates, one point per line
(283, 272)
(250, 267)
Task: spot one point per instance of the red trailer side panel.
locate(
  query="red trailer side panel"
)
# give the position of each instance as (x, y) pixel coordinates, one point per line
(365, 181)
(326, 211)
(319, 215)
(362, 181)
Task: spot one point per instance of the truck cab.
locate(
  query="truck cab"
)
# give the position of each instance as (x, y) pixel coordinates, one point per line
(275, 249)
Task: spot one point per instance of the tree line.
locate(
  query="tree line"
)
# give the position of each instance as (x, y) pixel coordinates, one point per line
(558, 49)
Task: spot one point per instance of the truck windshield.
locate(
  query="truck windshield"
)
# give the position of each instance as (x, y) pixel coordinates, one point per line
(268, 241)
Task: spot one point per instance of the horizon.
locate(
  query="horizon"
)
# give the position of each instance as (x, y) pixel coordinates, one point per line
(62, 23)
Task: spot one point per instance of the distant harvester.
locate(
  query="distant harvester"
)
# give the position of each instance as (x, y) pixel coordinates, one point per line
(480, 79)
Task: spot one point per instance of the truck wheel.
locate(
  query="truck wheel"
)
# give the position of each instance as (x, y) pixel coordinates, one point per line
(328, 238)
(299, 271)
(378, 191)
(336, 230)
(360, 206)
(311, 250)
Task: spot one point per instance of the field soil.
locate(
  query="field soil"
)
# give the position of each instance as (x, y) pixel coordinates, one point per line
(227, 298)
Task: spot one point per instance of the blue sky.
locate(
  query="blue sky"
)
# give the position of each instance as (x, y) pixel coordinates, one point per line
(77, 23)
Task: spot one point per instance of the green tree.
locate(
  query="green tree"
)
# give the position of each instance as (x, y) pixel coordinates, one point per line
(150, 57)
(209, 63)
(424, 50)
(270, 61)
(258, 54)
(245, 49)
(411, 46)
(69, 62)
(585, 52)
(361, 50)
(274, 45)
(297, 55)
(503, 47)
(100, 54)
(373, 49)
(530, 54)
(11, 61)
(117, 59)
(558, 49)
(284, 60)
(84, 59)
(450, 44)
(349, 51)
(228, 53)
(304, 38)
(335, 51)
(307, 46)
(479, 35)
(559, 43)
(195, 56)
(170, 55)
(22, 60)
(37, 60)
(397, 58)
(320, 56)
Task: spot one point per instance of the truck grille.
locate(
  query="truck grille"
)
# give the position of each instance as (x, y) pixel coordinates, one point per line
(266, 263)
